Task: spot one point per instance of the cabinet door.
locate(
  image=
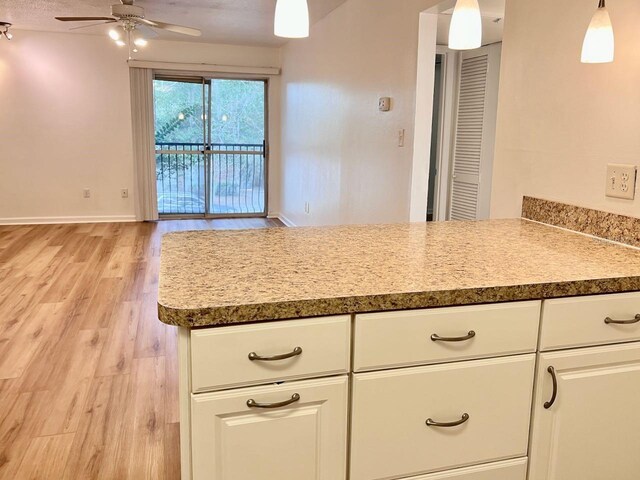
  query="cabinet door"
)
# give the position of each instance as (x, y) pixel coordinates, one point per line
(592, 429)
(303, 440)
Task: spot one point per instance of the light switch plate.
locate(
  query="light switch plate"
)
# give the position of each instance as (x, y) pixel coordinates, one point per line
(621, 181)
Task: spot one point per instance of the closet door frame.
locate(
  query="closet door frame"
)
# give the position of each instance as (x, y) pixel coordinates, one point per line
(485, 171)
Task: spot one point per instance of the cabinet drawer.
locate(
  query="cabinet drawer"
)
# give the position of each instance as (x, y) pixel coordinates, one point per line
(580, 321)
(389, 432)
(306, 439)
(507, 470)
(220, 356)
(391, 339)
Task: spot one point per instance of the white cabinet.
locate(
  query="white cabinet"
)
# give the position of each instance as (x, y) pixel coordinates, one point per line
(435, 394)
(305, 439)
(394, 413)
(592, 429)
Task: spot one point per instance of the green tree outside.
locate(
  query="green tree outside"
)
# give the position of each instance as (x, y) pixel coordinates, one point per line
(237, 110)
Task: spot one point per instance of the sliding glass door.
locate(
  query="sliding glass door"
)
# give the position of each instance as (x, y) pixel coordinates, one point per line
(180, 111)
(237, 149)
(210, 146)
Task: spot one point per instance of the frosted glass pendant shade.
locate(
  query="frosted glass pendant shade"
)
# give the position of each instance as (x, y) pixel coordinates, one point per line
(465, 32)
(292, 19)
(599, 45)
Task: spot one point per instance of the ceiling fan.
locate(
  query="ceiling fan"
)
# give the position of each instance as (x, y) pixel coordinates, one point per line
(132, 21)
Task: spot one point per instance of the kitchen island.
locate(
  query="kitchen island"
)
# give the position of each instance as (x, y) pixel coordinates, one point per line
(300, 345)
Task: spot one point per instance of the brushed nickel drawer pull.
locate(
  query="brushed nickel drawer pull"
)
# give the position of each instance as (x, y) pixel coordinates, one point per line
(554, 394)
(251, 403)
(610, 321)
(432, 423)
(253, 356)
(437, 338)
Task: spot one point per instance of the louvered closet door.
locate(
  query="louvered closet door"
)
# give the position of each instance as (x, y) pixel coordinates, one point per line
(475, 133)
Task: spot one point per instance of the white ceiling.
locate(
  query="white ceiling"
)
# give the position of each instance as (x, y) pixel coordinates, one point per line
(241, 22)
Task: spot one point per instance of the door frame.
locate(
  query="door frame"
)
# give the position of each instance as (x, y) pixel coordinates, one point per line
(450, 65)
(493, 52)
(207, 79)
(427, 51)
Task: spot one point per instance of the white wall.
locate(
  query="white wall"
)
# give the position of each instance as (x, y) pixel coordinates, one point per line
(559, 121)
(65, 122)
(339, 153)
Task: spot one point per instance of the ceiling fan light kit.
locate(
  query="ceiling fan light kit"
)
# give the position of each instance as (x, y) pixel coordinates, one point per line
(292, 19)
(4, 30)
(131, 20)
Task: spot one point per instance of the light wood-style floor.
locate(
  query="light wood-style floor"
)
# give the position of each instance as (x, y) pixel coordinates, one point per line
(88, 375)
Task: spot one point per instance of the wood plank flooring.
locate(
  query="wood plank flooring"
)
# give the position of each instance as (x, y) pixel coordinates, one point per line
(88, 375)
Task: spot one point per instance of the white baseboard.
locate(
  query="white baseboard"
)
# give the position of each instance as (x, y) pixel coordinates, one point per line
(283, 219)
(59, 220)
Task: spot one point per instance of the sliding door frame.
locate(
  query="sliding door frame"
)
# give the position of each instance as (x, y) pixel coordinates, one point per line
(208, 152)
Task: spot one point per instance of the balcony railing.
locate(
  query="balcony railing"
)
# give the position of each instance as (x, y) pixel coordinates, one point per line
(227, 180)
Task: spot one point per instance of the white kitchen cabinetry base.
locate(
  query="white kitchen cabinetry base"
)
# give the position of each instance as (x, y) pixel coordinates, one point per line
(471, 368)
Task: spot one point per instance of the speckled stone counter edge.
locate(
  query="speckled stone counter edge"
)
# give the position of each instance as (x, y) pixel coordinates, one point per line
(211, 317)
(610, 226)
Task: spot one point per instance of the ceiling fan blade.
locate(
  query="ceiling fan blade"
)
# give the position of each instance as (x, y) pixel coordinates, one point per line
(146, 31)
(93, 25)
(83, 19)
(194, 32)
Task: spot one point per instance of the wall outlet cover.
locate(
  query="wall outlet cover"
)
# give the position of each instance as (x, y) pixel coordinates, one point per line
(621, 181)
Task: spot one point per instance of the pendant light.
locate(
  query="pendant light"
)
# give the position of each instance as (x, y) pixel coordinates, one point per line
(4, 30)
(598, 46)
(465, 32)
(292, 19)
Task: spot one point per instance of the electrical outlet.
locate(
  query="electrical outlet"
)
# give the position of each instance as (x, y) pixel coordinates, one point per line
(384, 104)
(401, 137)
(86, 193)
(621, 181)
(307, 208)
(124, 193)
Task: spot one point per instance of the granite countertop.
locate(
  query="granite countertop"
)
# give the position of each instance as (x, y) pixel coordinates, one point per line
(229, 277)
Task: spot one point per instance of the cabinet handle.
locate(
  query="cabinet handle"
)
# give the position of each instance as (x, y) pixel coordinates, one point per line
(432, 423)
(251, 403)
(610, 321)
(253, 356)
(554, 394)
(437, 338)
